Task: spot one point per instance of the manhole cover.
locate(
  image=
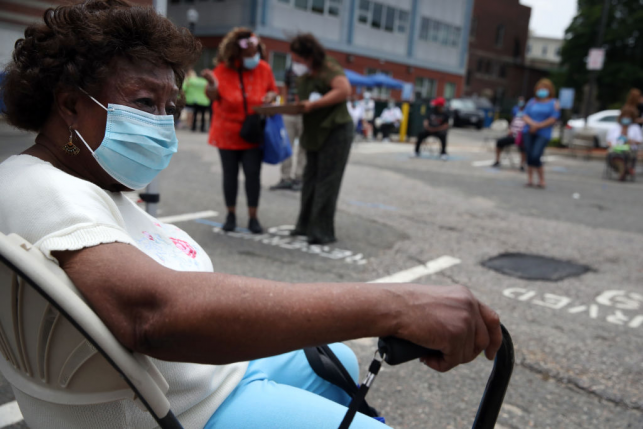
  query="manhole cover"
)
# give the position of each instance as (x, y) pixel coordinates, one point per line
(534, 267)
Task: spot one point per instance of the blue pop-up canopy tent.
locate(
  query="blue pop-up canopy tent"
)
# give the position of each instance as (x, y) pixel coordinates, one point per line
(380, 79)
(357, 79)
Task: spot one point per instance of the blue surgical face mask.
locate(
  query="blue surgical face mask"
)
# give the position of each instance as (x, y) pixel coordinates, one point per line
(542, 93)
(626, 121)
(252, 62)
(137, 145)
(521, 103)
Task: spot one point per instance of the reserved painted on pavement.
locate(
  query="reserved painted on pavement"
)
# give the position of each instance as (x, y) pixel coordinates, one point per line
(620, 302)
(279, 236)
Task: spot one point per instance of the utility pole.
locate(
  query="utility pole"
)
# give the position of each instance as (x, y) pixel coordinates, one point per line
(593, 74)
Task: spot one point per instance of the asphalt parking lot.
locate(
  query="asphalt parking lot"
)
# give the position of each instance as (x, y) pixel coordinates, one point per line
(578, 341)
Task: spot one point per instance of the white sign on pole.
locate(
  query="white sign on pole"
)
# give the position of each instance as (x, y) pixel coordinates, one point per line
(596, 59)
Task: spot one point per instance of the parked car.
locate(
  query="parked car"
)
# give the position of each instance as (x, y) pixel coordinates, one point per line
(599, 122)
(464, 112)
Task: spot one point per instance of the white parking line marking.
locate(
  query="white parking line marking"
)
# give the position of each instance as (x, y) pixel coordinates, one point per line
(485, 163)
(431, 267)
(188, 216)
(9, 414)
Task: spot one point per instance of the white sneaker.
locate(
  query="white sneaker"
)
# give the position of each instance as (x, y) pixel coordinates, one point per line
(444, 157)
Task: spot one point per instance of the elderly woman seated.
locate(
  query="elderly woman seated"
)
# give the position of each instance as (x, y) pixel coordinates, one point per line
(99, 84)
(623, 139)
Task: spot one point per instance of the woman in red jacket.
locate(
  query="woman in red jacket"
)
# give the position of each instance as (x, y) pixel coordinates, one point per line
(239, 58)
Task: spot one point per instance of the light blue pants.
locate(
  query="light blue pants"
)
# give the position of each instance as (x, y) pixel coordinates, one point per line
(283, 392)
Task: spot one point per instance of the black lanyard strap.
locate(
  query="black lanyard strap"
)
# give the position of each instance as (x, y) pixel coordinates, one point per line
(403, 351)
(373, 370)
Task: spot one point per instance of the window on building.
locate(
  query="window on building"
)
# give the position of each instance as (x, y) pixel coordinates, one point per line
(544, 50)
(376, 19)
(456, 34)
(318, 6)
(502, 72)
(364, 11)
(279, 62)
(206, 61)
(402, 21)
(321, 7)
(381, 17)
(439, 32)
(334, 6)
(435, 31)
(445, 34)
(517, 45)
(528, 48)
(474, 28)
(425, 87)
(449, 90)
(389, 22)
(468, 78)
(500, 35)
(558, 50)
(480, 65)
(425, 23)
(487, 67)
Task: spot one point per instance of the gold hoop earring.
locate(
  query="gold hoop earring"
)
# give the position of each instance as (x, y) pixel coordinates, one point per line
(70, 148)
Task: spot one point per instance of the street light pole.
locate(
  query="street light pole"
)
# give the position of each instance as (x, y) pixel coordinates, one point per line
(193, 18)
(593, 75)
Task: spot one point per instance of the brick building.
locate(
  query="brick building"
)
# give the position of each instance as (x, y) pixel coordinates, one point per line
(497, 46)
(423, 42)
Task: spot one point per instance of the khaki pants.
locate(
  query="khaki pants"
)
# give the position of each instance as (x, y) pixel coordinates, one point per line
(294, 128)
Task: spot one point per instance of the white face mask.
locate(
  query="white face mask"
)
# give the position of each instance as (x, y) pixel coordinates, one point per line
(299, 69)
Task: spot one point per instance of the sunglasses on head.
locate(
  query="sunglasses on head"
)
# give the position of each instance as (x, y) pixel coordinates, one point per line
(249, 41)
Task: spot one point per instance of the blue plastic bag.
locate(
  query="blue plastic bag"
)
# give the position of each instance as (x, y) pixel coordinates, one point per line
(276, 145)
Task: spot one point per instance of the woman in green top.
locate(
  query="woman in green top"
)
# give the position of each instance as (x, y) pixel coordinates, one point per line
(194, 89)
(327, 137)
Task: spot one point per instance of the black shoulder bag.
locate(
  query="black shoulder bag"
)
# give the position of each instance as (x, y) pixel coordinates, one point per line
(253, 125)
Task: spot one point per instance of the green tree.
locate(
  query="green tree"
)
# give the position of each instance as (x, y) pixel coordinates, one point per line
(623, 40)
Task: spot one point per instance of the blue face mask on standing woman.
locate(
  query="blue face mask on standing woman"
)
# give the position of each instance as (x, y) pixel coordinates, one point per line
(542, 93)
(252, 62)
(137, 145)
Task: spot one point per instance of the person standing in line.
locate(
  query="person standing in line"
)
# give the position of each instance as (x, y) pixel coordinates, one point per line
(541, 113)
(195, 98)
(241, 78)
(291, 173)
(520, 105)
(436, 124)
(390, 120)
(327, 137)
(368, 115)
